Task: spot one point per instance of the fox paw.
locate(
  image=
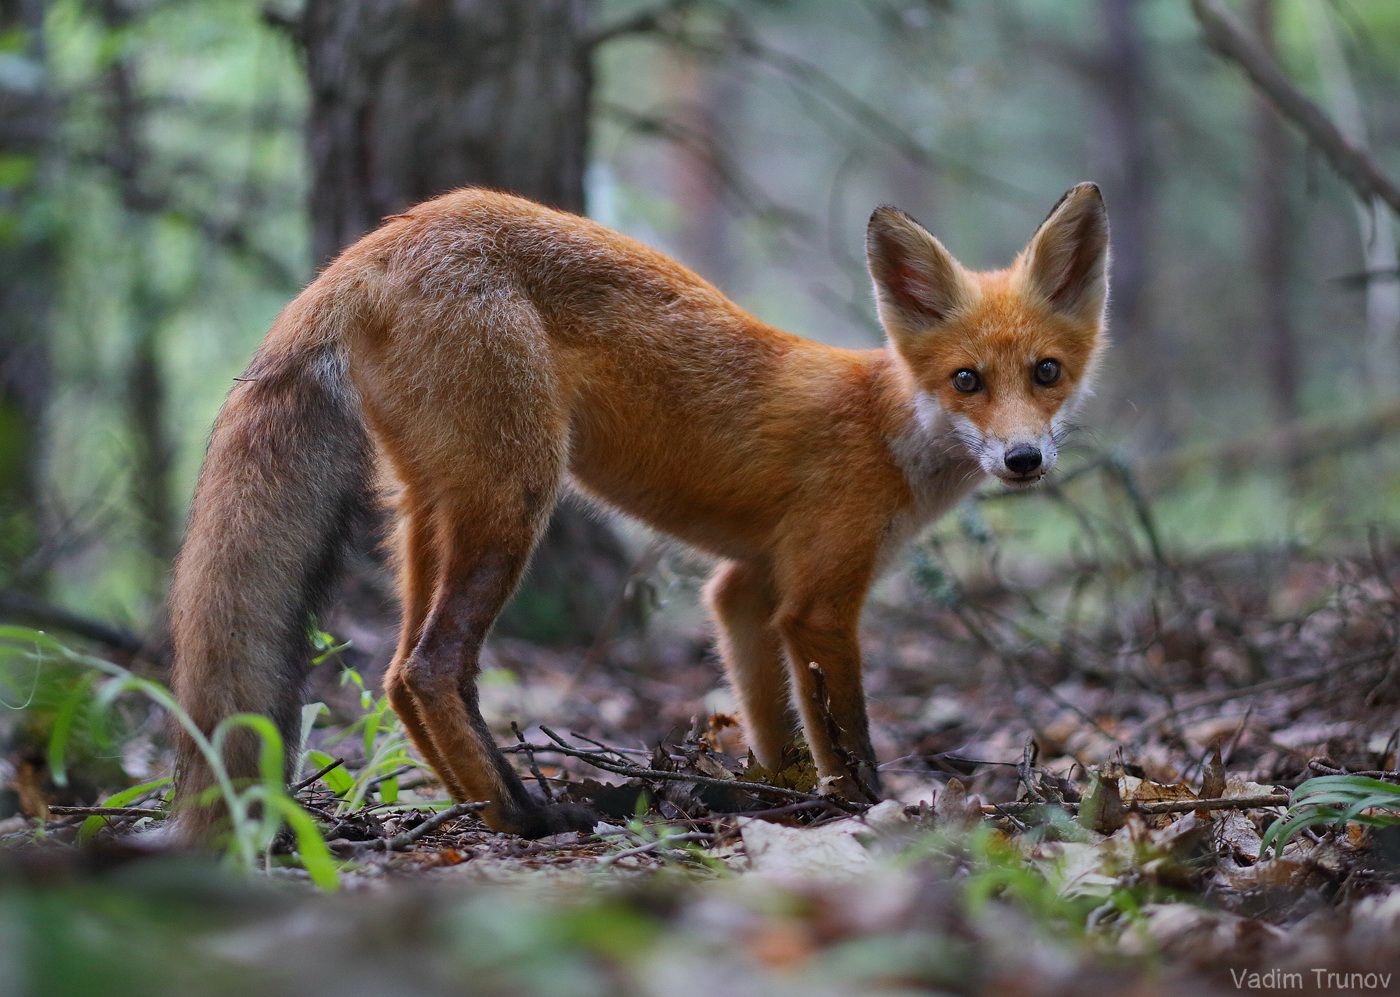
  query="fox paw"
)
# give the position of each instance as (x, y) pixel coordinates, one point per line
(555, 818)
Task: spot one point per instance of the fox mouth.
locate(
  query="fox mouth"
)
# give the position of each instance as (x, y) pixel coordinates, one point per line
(1017, 482)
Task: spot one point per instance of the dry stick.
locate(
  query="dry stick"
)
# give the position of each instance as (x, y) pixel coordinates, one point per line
(1239, 733)
(534, 765)
(1026, 770)
(375, 783)
(404, 839)
(658, 844)
(783, 811)
(1156, 807)
(833, 731)
(109, 812)
(1323, 765)
(627, 769)
(309, 780)
(1270, 685)
(1224, 33)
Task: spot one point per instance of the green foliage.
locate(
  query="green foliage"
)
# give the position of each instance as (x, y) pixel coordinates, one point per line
(257, 812)
(384, 746)
(1335, 801)
(998, 871)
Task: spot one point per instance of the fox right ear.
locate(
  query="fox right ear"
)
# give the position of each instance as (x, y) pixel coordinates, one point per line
(918, 283)
(1066, 263)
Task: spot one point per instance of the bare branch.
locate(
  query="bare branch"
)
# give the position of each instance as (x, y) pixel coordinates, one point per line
(1224, 33)
(35, 612)
(656, 18)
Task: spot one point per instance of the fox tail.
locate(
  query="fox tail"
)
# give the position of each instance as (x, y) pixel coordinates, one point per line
(284, 482)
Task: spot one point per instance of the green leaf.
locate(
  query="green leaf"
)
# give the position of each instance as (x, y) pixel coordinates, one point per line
(63, 729)
(315, 855)
(337, 779)
(389, 790)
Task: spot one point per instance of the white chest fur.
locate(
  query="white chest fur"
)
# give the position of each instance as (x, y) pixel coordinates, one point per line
(938, 468)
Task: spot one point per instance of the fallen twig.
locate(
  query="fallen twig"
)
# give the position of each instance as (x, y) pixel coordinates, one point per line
(1269, 685)
(1026, 770)
(1327, 767)
(534, 765)
(617, 766)
(153, 813)
(24, 608)
(1154, 807)
(312, 779)
(654, 846)
(404, 839)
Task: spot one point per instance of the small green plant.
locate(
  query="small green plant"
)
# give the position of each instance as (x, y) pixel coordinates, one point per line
(1074, 886)
(1335, 801)
(666, 841)
(385, 747)
(257, 811)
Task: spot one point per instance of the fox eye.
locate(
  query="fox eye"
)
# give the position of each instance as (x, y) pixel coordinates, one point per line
(1047, 372)
(966, 381)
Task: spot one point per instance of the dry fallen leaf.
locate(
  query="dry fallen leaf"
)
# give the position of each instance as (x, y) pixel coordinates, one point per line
(839, 850)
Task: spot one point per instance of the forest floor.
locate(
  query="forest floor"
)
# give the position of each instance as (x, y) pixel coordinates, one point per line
(1082, 771)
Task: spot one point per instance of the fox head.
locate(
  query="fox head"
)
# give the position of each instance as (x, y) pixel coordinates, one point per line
(1007, 354)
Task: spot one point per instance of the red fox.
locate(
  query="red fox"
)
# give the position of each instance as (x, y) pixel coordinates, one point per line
(480, 350)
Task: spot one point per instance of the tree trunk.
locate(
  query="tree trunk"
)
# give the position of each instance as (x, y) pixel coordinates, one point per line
(1273, 239)
(152, 491)
(26, 288)
(706, 95)
(1128, 189)
(412, 98)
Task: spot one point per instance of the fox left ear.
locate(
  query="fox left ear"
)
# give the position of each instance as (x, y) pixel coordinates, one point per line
(918, 283)
(1066, 263)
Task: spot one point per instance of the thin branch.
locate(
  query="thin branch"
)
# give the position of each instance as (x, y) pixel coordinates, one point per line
(1154, 807)
(654, 19)
(599, 760)
(404, 839)
(1227, 36)
(1269, 685)
(150, 812)
(660, 844)
(36, 612)
(858, 111)
(534, 765)
(329, 767)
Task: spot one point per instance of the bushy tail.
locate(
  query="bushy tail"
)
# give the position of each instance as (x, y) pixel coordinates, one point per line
(284, 481)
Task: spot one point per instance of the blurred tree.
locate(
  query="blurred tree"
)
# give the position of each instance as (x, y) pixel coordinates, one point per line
(706, 95)
(1273, 236)
(27, 274)
(1124, 88)
(1374, 222)
(410, 99)
(128, 160)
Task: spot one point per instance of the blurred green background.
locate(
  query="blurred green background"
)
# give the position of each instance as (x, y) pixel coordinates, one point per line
(172, 172)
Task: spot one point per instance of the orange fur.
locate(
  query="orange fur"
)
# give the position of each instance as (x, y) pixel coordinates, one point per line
(493, 347)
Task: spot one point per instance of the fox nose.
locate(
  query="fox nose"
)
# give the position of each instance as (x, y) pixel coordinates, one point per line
(1022, 459)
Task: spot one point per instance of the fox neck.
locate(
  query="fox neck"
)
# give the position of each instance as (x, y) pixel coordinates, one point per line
(925, 444)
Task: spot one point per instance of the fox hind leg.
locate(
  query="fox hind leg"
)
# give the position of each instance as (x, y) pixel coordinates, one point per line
(418, 574)
(484, 543)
